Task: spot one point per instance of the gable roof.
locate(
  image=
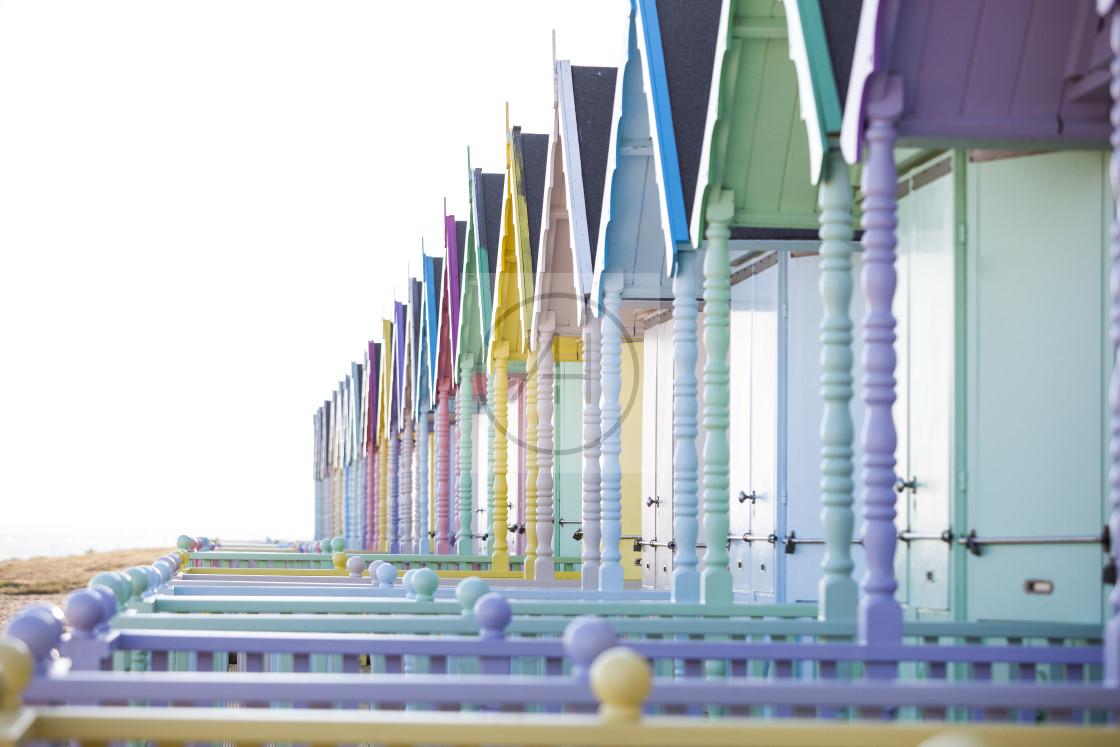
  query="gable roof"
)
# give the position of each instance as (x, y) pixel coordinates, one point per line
(574, 178)
(772, 113)
(491, 196)
(983, 73)
(534, 154)
(593, 100)
(512, 313)
(373, 432)
(423, 396)
(688, 31)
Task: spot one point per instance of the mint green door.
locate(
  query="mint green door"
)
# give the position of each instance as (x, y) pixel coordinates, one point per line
(924, 308)
(567, 469)
(1036, 385)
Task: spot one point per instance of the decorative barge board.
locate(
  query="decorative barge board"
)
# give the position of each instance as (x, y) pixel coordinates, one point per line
(373, 441)
(425, 398)
(756, 207)
(576, 166)
(976, 230)
(443, 384)
(514, 464)
(480, 259)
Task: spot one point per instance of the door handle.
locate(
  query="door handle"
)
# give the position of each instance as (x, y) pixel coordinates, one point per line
(901, 485)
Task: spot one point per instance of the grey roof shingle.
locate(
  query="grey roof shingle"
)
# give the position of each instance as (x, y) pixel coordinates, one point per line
(593, 92)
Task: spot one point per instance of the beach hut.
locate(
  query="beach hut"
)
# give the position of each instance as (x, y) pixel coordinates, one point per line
(755, 211)
(424, 401)
(514, 412)
(373, 439)
(572, 203)
(390, 445)
(982, 130)
(455, 481)
(480, 260)
(645, 261)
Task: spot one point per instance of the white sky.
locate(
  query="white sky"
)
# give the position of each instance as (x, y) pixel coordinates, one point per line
(205, 210)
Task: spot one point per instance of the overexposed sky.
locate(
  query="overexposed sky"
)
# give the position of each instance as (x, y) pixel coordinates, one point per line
(205, 210)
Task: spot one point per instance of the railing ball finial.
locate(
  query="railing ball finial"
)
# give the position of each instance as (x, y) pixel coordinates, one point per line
(493, 614)
(164, 569)
(121, 588)
(621, 679)
(406, 582)
(355, 565)
(339, 560)
(16, 667)
(108, 602)
(338, 544)
(183, 542)
(425, 583)
(138, 579)
(40, 628)
(84, 611)
(954, 739)
(373, 571)
(585, 638)
(469, 591)
(386, 575)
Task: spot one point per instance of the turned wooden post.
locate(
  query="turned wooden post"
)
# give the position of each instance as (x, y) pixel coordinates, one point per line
(490, 461)
(546, 371)
(610, 572)
(686, 578)
(531, 419)
(464, 543)
(592, 433)
(716, 581)
(500, 556)
(880, 615)
(408, 443)
(839, 594)
(443, 545)
(394, 488)
(1112, 627)
(421, 541)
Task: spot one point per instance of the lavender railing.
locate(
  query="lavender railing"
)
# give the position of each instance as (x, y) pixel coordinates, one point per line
(91, 646)
(494, 689)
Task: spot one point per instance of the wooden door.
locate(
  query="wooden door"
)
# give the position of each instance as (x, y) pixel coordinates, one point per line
(567, 470)
(1037, 381)
(925, 310)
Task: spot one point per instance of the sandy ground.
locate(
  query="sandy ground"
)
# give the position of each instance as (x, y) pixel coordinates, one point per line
(46, 579)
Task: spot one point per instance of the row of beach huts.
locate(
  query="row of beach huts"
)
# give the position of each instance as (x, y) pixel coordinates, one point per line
(769, 398)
